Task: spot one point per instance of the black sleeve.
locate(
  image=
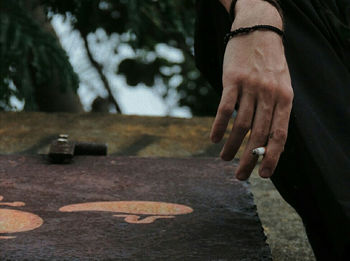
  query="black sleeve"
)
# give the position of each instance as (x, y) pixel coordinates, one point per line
(212, 23)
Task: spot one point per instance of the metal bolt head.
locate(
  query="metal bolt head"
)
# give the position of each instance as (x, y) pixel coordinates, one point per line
(62, 141)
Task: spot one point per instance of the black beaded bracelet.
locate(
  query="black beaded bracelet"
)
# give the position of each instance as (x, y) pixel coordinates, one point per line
(246, 30)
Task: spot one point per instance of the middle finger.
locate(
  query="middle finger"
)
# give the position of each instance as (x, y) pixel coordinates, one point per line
(258, 137)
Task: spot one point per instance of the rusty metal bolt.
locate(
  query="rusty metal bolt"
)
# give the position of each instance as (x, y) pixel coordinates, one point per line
(62, 141)
(63, 136)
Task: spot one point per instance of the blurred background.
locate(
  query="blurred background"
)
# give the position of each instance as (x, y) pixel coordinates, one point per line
(117, 56)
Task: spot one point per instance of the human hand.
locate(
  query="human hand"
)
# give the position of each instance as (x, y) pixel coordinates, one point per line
(256, 77)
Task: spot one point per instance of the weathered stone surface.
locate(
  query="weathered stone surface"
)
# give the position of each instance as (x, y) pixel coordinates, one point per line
(30, 133)
(122, 208)
(282, 225)
(125, 135)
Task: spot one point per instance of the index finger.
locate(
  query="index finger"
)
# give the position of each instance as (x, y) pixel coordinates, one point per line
(224, 113)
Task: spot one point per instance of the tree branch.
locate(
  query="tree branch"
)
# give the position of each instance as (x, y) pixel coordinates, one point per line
(98, 68)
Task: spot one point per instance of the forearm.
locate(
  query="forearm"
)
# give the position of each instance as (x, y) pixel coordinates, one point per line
(252, 12)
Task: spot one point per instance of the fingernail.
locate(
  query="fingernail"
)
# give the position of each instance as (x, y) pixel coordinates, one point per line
(225, 157)
(266, 173)
(241, 176)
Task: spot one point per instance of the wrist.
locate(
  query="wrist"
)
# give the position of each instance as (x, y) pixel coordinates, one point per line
(252, 12)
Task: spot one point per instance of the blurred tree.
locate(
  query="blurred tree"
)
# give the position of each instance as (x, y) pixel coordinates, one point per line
(146, 24)
(34, 66)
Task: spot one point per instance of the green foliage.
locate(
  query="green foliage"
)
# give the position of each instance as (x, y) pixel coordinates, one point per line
(149, 23)
(138, 71)
(29, 56)
(26, 49)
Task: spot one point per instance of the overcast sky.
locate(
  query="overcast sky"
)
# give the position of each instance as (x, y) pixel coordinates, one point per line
(139, 100)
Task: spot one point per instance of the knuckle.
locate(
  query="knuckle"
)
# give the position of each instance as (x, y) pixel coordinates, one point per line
(280, 136)
(242, 77)
(236, 77)
(242, 126)
(268, 89)
(260, 134)
(226, 110)
(268, 85)
(231, 76)
(286, 95)
(253, 81)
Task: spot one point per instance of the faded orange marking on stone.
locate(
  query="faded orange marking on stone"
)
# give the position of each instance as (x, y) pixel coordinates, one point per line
(13, 221)
(131, 209)
(7, 237)
(13, 204)
(134, 219)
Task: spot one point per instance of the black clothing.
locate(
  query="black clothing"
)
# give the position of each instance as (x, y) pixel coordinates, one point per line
(313, 174)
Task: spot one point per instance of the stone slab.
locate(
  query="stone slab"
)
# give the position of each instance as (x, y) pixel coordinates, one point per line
(32, 132)
(126, 208)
